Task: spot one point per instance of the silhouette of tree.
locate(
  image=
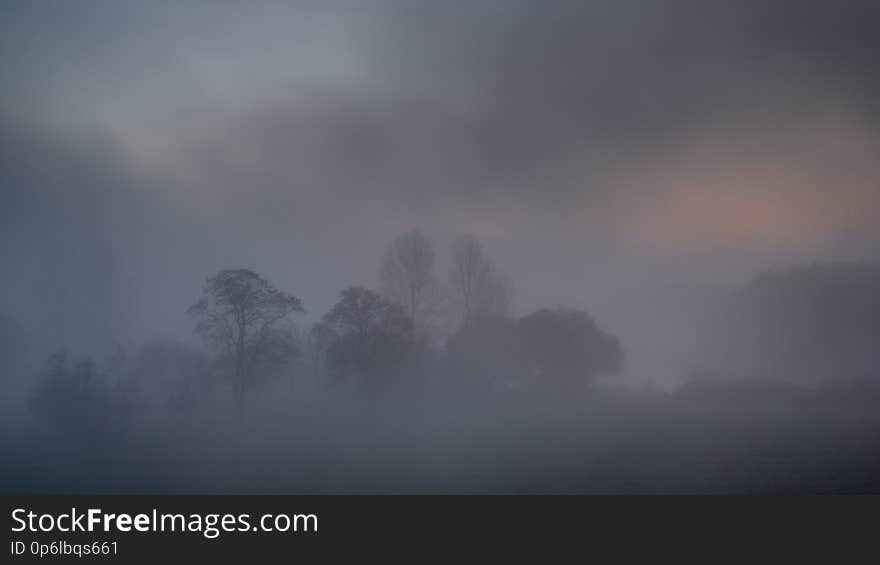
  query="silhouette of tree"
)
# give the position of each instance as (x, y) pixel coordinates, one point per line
(480, 289)
(809, 323)
(407, 273)
(371, 335)
(241, 315)
(76, 398)
(549, 349)
(565, 348)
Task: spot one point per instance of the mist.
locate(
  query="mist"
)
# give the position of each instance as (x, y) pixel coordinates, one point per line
(644, 234)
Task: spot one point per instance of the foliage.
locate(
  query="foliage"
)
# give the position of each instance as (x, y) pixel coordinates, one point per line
(241, 316)
(548, 349)
(75, 398)
(370, 335)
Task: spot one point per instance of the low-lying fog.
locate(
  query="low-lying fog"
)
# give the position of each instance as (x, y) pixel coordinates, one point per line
(507, 246)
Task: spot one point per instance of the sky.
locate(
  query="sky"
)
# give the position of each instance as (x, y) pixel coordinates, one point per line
(628, 157)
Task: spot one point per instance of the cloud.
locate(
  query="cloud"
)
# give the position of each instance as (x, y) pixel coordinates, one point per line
(593, 145)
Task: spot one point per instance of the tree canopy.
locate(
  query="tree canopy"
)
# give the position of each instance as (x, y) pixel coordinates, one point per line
(371, 335)
(241, 315)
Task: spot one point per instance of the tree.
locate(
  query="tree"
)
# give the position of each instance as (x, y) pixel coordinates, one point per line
(407, 273)
(241, 315)
(481, 290)
(372, 336)
(559, 349)
(809, 324)
(76, 398)
(564, 348)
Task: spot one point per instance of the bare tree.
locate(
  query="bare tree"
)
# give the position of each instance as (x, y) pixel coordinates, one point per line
(407, 273)
(481, 290)
(240, 314)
